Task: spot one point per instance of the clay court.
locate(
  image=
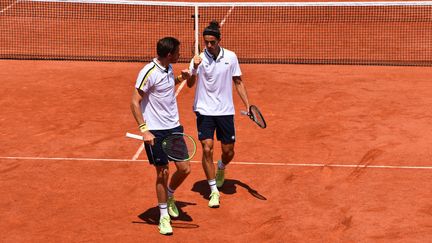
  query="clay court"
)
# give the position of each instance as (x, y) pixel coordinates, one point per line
(345, 156)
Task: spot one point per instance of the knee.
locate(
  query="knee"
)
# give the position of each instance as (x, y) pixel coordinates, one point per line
(228, 152)
(231, 153)
(162, 173)
(208, 150)
(185, 170)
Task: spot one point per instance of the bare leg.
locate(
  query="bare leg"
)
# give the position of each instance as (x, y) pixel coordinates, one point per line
(207, 158)
(183, 170)
(227, 153)
(162, 175)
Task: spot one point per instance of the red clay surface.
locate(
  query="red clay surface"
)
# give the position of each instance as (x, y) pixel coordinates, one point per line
(344, 115)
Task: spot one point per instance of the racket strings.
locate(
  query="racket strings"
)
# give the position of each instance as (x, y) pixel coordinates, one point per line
(178, 147)
(257, 117)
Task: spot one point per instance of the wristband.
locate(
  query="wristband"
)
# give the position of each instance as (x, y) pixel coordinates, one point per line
(143, 127)
(180, 78)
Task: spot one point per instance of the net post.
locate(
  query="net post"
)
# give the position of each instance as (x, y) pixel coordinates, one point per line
(196, 30)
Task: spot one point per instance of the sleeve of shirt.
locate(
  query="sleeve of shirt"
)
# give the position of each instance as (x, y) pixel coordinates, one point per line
(191, 64)
(144, 80)
(235, 69)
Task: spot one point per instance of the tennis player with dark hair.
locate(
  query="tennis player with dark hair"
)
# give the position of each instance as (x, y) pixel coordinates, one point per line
(154, 108)
(214, 71)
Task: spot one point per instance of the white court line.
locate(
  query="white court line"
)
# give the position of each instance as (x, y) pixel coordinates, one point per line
(8, 7)
(226, 16)
(234, 163)
(138, 152)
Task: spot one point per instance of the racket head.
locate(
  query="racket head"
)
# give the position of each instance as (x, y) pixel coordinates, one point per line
(179, 146)
(256, 116)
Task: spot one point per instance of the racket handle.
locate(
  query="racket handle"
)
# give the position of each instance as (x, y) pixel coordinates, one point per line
(244, 113)
(180, 87)
(134, 136)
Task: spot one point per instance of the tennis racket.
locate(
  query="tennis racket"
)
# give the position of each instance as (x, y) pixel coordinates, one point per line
(177, 146)
(255, 115)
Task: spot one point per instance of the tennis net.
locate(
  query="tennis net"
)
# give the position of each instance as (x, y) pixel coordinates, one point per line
(370, 33)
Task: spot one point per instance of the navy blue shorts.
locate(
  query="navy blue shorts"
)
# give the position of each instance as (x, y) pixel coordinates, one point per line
(223, 125)
(155, 154)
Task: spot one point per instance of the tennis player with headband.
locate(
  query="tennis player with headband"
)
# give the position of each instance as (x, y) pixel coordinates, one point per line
(214, 70)
(154, 108)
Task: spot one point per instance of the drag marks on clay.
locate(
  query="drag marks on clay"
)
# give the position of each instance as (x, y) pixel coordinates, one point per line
(427, 210)
(336, 102)
(273, 220)
(289, 178)
(345, 222)
(9, 168)
(365, 161)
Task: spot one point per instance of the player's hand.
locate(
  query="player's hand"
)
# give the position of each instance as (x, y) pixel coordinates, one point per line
(185, 74)
(148, 137)
(197, 61)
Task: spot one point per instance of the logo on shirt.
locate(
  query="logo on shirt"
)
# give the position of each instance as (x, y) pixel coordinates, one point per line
(226, 63)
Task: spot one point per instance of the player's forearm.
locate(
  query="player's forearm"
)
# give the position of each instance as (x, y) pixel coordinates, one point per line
(136, 112)
(191, 81)
(135, 106)
(241, 90)
(193, 72)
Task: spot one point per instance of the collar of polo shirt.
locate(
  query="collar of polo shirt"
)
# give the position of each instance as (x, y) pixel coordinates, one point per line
(221, 54)
(162, 68)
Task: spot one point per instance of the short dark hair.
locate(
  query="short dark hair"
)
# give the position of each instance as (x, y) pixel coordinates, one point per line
(213, 29)
(167, 45)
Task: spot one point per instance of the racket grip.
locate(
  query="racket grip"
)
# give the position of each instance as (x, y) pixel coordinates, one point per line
(180, 87)
(134, 136)
(244, 113)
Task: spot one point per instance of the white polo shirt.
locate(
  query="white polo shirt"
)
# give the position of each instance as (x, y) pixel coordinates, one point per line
(213, 94)
(159, 106)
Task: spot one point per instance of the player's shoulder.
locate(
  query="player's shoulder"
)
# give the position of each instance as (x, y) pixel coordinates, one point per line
(148, 70)
(149, 66)
(228, 53)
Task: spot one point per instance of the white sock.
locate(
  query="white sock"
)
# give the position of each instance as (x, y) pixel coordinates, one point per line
(163, 208)
(170, 192)
(212, 184)
(221, 165)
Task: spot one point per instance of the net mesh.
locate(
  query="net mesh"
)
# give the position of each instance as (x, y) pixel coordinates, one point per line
(84, 31)
(343, 34)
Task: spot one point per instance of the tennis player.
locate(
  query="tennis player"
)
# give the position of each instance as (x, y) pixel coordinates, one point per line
(154, 108)
(214, 71)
